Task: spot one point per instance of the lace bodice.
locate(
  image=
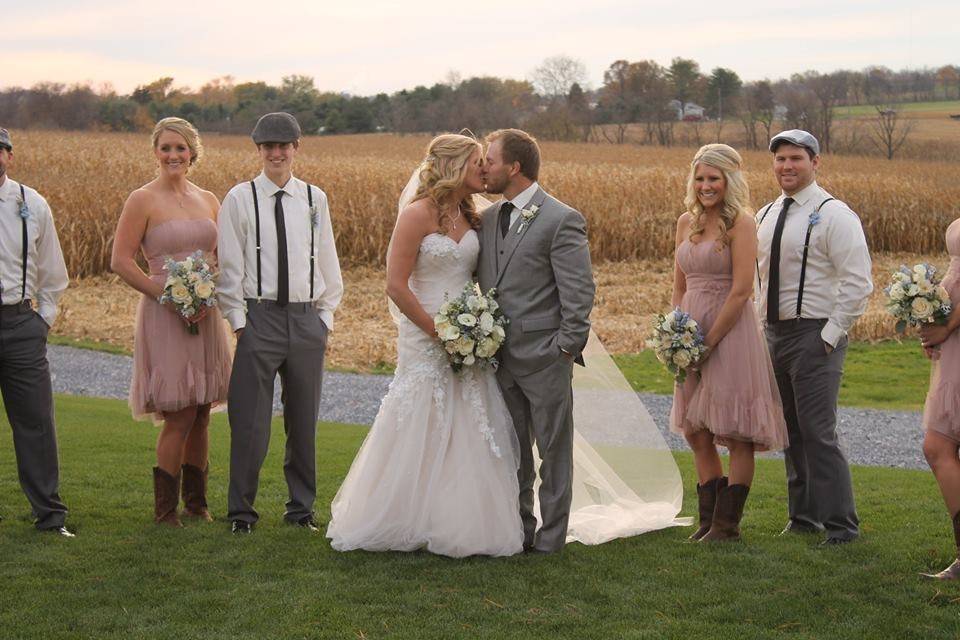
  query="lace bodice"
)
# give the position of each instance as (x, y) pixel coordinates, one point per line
(443, 268)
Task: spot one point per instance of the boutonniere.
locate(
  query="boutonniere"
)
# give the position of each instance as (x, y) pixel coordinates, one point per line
(314, 216)
(814, 218)
(527, 216)
(23, 209)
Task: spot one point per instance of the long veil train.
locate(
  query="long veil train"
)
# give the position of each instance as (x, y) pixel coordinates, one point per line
(625, 480)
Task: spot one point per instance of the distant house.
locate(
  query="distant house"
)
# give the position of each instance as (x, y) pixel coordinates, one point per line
(688, 112)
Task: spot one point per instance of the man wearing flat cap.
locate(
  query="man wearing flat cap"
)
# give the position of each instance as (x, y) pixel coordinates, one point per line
(813, 282)
(33, 276)
(279, 286)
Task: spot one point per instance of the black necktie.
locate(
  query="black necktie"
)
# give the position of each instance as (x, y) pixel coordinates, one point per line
(505, 211)
(283, 270)
(773, 281)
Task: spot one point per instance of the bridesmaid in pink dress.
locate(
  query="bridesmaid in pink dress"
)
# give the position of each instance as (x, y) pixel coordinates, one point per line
(733, 401)
(177, 376)
(941, 413)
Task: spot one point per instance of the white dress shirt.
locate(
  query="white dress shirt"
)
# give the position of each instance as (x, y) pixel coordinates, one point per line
(838, 280)
(46, 272)
(521, 200)
(237, 249)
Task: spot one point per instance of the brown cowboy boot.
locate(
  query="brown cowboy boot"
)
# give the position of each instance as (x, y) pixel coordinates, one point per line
(727, 514)
(194, 491)
(166, 495)
(953, 571)
(707, 498)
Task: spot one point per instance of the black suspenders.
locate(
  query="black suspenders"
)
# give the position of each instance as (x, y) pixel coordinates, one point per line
(256, 215)
(23, 259)
(806, 249)
(23, 225)
(313, 234)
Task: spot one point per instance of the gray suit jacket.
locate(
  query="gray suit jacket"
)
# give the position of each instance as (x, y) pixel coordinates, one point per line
(544, 282)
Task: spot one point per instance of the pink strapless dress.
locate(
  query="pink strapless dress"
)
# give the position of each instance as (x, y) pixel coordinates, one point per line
(173, 369)
(735, 396)
(941, 412)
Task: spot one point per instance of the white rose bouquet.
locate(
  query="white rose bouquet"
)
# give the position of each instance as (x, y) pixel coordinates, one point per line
(471, 328)
(915, 296)
(677, 342)
(189, 286)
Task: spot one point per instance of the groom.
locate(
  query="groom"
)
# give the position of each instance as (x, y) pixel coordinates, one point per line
(279, 285)
(534, 252)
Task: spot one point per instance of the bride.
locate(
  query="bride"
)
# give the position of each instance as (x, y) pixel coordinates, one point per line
(438, 469)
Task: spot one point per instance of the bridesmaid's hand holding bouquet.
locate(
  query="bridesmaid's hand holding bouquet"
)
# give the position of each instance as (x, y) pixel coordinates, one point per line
(190, 289)
(678, 343)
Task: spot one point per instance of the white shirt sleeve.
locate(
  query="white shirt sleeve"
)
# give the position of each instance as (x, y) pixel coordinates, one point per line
(847, 248)
(231, 241)
(52, 279)
(329, 266)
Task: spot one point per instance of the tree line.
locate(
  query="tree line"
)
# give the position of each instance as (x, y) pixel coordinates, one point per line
(555, 102)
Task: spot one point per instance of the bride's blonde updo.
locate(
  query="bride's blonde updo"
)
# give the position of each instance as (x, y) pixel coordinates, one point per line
(736, 199)
(442, 172)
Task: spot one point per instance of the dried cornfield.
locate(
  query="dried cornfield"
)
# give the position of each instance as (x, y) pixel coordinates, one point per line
(631, 195)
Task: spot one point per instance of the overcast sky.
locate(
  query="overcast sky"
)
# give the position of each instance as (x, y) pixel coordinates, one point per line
(370, 46)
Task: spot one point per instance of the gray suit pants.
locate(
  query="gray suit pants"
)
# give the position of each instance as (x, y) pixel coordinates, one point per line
(28, 400)
(541, 405)
(819, 488)
(291, 341)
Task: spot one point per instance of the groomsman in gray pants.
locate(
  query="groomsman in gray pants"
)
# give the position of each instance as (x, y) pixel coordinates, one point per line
(33, 276)
(814, 280)
(279, 285)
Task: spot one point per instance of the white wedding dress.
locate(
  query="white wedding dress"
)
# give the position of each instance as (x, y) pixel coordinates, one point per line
(438, 469)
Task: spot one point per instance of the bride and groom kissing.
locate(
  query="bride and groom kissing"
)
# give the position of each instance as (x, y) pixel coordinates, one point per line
(451, 462)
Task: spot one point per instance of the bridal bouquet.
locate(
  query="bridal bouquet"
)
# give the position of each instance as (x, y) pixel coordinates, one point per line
(471, 328)
(915, 296)
(189, 286)
(677, 342)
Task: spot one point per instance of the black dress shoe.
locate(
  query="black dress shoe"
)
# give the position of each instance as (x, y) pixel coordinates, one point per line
(829, 542)
(307, 522)
(60, 531)
(241, 526)
(793, 527)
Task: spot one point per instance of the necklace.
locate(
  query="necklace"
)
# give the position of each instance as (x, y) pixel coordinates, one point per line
(453, 221)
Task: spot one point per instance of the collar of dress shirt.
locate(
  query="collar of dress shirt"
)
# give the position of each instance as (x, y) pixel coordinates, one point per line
(8, 189)
(803, 196)
(523, 198)
(270, 187)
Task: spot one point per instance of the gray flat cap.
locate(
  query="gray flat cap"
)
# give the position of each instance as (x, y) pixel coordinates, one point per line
(276, 127)
(797, 137)
(5, 139)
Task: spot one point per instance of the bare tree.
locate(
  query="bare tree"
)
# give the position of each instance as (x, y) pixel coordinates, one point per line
(557, 74)
(889, 131)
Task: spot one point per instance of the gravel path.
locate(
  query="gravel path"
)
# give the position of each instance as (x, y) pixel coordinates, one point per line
(868, 436)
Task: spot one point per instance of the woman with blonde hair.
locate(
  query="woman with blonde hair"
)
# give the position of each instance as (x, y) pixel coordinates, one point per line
(177, 375)
(734, 401)
(438, 469)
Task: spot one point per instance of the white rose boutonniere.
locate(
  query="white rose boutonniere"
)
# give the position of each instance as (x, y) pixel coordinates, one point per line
(526, 217)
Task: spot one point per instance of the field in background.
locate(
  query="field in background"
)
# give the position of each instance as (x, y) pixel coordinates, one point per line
(630, 194)
(101, 310)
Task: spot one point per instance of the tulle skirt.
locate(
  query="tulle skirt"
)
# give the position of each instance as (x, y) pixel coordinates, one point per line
(941, 411)
(438, 469)
(735, 395)
(174, 369)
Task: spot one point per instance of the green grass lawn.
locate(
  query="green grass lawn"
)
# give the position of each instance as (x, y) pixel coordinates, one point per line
(887, 375)
(125, 578)
(951, 106)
